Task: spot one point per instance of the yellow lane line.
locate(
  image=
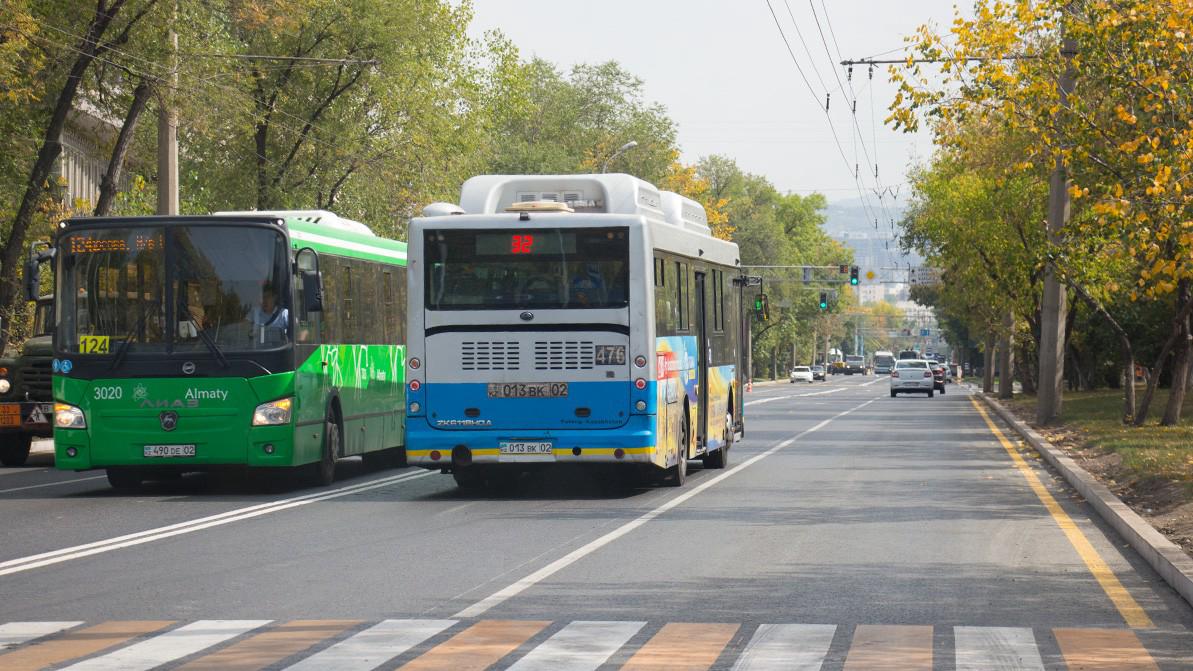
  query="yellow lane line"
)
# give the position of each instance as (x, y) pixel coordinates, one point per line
(1130, 610)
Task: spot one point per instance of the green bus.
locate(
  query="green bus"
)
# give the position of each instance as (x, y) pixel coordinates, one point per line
(258, 339)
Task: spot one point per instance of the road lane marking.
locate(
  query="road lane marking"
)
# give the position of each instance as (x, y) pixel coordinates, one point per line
(521, 585)
(129, 540)
(478, 647)
(373, 646)
(170, 646)
(270, 647)
(791, 647)
(1103, 650)
(879, 647)
(996, 649)
(781, 398)
(580, 646)
(874, 381)
(16, 633)
(17, 470)
(52, 484)
(78, 643)
(682, 646)
(1130, 610)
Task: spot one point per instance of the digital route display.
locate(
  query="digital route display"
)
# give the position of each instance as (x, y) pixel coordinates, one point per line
(135, 242)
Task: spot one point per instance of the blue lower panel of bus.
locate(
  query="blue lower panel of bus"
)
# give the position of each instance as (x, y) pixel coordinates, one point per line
(631, 442)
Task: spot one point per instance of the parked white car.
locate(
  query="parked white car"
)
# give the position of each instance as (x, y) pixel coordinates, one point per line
(801, 374)
(912, 376)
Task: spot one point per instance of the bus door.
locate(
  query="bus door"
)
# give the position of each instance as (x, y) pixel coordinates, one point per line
(702, 344)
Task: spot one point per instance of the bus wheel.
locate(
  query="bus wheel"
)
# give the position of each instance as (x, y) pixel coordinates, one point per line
(677, 474)
(124, 478)
(14, 450)
(325, 470)
(720, 458)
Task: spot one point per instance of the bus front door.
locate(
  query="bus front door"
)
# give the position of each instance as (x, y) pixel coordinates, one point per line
(702, 344)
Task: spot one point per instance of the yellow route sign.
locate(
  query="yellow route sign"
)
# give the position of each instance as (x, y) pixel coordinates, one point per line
(92, 344)
(869, 274)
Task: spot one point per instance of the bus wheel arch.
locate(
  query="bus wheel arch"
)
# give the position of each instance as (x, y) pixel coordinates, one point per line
(677, 474)
(324, 470)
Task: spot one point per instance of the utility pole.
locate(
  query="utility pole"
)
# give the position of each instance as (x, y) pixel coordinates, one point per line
(167, 131)
(1054, 309)
(1006, 381)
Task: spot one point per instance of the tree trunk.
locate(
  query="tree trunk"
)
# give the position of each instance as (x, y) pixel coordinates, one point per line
(1025, 366)
(988, 365)
(47, 154)
(1177, 331)
(1180, 370)
(1006, 380)
(111, 180)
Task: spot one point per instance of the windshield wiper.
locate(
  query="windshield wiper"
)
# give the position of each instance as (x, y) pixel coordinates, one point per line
(206, 338)
(119, 358)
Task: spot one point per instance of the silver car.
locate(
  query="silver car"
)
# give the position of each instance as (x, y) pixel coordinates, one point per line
(912, 376)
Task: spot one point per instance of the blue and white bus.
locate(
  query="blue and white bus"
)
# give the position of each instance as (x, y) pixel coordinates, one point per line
(573, 318)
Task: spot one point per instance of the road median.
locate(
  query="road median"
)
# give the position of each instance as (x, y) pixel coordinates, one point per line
(1168, 559)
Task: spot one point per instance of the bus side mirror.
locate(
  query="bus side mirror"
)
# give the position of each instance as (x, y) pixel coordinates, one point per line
(32, 279)
(306, 262)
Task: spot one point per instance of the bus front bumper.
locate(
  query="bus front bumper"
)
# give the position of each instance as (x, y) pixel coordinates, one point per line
(633, 442)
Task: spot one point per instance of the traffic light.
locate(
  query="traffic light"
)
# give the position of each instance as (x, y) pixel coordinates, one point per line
(823, 300)
(853, 276)
(761, 308)
(843, 268)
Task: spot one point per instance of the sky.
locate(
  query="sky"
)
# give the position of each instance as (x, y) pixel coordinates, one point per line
(721, 69)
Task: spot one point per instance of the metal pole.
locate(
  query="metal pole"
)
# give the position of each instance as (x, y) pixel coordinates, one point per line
(167, 133)
(1053, 309)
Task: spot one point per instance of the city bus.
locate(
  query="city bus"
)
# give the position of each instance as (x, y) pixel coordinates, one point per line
(252, 339)
(884, 362)
(584, 319)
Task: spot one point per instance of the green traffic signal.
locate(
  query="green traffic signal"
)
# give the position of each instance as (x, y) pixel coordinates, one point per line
(853, 280)
(823, 300)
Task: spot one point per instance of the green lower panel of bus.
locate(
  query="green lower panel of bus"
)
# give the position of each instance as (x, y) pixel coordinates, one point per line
(173, 421)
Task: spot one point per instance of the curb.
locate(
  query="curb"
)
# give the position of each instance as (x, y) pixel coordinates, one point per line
(1169, 560)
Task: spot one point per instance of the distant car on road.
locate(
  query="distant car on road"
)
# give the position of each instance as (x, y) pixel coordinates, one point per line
(801, 374)
(912, 376)
(818, 372)
(938, 375)
(908, 354)
(855, 364)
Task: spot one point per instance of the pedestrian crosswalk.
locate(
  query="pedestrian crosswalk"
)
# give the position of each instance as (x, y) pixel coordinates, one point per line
(544, 645)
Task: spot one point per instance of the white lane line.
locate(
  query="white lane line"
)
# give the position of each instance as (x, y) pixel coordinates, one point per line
(780, 398)
(874, 381)
(52, 484)
(519, 586)
(16, 633)
(373, 646)
(170, 646)
(997, 649)
(580, 646)
(791, 647)
(19, 471)
(149, 535)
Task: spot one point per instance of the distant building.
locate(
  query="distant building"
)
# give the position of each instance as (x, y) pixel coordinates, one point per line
(86, 149)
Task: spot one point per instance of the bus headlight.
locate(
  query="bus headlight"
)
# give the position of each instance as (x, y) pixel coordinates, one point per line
(273, 413)
(5, 385)
(67, 416)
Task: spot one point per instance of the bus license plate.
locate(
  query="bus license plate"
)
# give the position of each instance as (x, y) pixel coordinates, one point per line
(523, 447)
(529, 390)
(169, 450)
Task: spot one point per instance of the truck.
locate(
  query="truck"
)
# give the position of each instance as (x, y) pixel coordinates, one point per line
(884, 362)
(26, 397)
(855, 363)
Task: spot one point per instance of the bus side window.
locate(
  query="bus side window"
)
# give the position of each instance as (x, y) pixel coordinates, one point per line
(681, 295)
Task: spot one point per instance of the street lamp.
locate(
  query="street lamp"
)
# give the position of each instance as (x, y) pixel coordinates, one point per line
(620, 150)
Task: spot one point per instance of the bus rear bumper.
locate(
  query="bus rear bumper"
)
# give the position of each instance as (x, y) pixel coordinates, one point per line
(632, 443)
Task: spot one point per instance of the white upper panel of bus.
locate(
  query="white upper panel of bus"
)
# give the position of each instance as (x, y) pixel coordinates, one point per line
(320, 217)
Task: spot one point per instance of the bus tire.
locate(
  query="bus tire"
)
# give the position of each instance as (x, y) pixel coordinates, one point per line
(325, 468)
(14, 450)
(125, 479)
(678, 474)
(720, 458)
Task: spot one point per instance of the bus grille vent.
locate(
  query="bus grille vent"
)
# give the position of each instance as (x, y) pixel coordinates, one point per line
(494, 355)
(563, 355)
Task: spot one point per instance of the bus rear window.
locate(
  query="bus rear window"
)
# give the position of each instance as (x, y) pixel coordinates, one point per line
(537, 268)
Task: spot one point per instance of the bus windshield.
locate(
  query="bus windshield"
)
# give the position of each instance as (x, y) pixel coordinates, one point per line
(226, 283)
(527, 268)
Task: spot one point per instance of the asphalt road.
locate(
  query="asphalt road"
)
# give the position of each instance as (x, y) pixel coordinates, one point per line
(851, 531)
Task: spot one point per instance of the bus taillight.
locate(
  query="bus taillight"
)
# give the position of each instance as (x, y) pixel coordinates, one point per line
(640, 383)
(415, 385)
